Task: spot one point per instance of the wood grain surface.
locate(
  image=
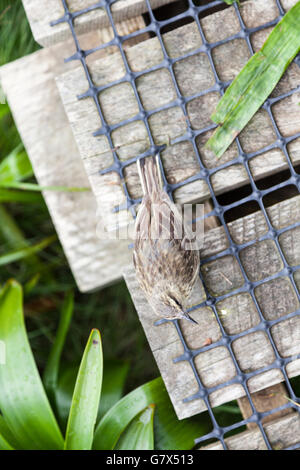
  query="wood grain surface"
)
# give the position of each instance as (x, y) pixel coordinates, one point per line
(193, 75)
(41, 13)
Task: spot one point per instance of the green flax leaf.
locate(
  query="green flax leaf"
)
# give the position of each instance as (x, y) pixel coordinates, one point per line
(170, 433)
(139, 434)
(86, 396)
(23, 401)
(256, 81)
(114, 375)
(4, 445)
(7, 434)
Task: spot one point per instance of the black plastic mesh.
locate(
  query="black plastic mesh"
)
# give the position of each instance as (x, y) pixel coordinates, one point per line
(155, 26)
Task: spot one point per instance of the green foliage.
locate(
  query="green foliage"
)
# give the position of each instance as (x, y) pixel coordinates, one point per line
(23, 401)
(170, 433)
(139, 433)
(7, 435)
(139, 420)
(12, 45)
(45, 275)
(8, 195)
(27, 251)
(17, 184)
(15, 167)
(86, 397)
(256, 81)
(115, 373)
(4, 445)
(44, 272)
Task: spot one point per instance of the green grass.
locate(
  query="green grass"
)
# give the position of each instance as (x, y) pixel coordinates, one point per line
(16, 37)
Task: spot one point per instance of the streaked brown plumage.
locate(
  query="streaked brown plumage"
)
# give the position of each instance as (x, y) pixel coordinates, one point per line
(165, 269)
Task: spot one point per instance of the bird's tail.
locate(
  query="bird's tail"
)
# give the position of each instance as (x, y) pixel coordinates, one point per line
(150, 175)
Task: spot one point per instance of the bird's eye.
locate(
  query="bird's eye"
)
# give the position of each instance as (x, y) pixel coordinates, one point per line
(175, 300)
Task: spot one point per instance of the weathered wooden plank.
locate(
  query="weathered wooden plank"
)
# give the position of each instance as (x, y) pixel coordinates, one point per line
(156, 88)
(33, 96)
(40, 13)
(237, 313)
(39, 115)
(282, 433)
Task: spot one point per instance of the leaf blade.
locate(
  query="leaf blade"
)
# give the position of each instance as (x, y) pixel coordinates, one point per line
(139, 434)
(4, 445)
(23, 401)
(86, 397)
(170, 433)
(114, 376)
(7, 434)
(256, 81)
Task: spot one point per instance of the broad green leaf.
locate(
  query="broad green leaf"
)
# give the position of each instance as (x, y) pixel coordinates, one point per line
(230, 2)
(4, 109)
(52, 367)
(139, 434)
(9, 195)
(4, 445)
(15, 167)
(170, 433)
(114, 376)
(26, 251)
(7, 434)
(86, 396)
(256, 81)
(23, 401)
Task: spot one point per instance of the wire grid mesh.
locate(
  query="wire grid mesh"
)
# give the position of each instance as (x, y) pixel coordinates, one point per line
(192, 11)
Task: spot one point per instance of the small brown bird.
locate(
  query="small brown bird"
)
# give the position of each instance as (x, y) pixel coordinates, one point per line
(165, 268)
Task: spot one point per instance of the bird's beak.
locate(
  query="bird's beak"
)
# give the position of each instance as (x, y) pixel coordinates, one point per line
(185, 316)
